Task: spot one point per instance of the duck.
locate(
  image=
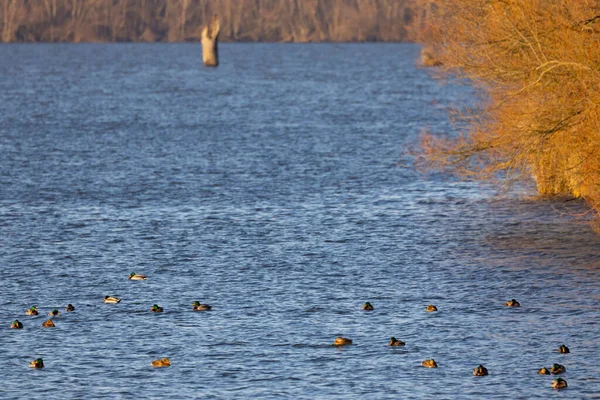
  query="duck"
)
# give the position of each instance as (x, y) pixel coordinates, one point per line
(429, 363)
(557, 369)
(156, 308)
(110, 299)
(32, 311)
(341, 341)
(544, 371)
(70, 308)
(201, 307)
(431, 308)
(16, 324)
(163, 362)
(395, 342)
(559, 383)
(54, 313)
(480, 371)
(563, 349)
(48, 324)
(512, 303)
(368, 306)
(137, 277)
(37, 363)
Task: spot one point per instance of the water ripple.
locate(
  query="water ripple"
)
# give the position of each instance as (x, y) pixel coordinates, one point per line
(269, 188)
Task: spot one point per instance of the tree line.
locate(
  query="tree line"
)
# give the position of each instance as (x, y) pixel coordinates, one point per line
(182, 20)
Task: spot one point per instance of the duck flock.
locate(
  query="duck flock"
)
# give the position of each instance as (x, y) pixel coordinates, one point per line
(480, 370)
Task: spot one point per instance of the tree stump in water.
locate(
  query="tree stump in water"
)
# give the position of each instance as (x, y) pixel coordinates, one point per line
(210, 51)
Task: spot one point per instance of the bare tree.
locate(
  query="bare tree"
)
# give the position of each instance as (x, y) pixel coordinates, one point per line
(184, 8)
(9, 12)
(78, 9)
(50, 8)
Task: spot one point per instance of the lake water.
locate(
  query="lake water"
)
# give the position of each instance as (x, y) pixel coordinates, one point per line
(270, 188)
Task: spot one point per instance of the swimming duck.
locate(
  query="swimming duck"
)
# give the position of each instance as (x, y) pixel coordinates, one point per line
(137, 277)
(201, 307)
(559, 383)
(341, 341)
(544, 371)
(156, 308)
(396, 342)
(39, 363)
(110, 299)
(563, 349)
(48, 324)
(16, 324)
(32, 311)
(512, 303)
(557, 369)
(368, 307)
(480, 371)
(70, 308)
(163, 362)
(54, 313)
(431, 308)
(430, 363)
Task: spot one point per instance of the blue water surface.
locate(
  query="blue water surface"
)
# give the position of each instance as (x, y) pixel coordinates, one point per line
(274, 188)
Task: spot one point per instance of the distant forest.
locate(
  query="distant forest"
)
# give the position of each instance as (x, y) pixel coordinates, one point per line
(182, 20)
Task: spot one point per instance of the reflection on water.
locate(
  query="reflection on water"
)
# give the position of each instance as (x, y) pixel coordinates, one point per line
(268, 188)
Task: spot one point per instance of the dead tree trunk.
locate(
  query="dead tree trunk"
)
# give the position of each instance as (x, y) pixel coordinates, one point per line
(210, 51)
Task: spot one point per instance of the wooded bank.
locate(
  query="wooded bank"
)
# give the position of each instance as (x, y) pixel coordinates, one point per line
(182, 20)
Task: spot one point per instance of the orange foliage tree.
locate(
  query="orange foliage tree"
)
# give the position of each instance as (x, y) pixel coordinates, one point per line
(538, 64)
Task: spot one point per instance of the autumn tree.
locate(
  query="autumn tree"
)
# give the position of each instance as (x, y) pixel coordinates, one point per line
(538, 66)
